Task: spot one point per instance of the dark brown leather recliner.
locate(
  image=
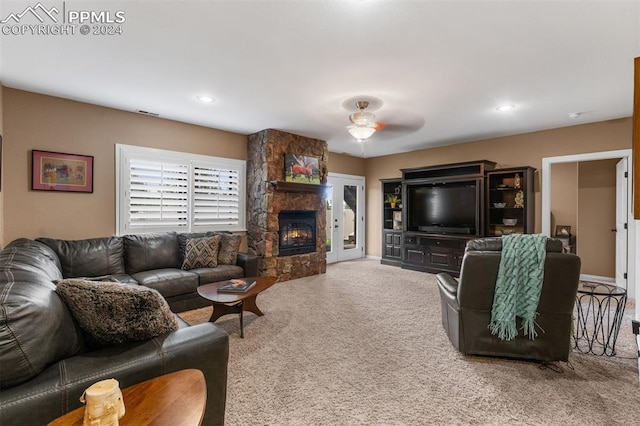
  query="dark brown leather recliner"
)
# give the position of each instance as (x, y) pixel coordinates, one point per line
(467, 303)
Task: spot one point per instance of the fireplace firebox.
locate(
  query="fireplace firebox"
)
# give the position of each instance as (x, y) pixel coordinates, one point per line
(297, 232)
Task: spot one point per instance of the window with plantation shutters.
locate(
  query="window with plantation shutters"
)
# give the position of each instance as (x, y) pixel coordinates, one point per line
(216, 195)
(158, 194)
(160, 190)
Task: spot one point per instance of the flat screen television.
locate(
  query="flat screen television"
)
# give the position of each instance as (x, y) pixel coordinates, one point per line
(443, 208)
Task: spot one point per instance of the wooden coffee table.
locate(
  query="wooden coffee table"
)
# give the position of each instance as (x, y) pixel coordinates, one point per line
(235, 303)
(172, 399)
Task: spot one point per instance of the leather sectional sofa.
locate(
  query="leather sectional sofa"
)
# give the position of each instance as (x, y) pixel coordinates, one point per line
(45, 364)
(153, 260)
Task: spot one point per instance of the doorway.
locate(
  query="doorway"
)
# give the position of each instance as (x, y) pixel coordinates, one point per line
(626, 267)
(345, 217)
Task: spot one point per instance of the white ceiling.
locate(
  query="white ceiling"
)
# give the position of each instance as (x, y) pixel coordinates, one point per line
(440, 68)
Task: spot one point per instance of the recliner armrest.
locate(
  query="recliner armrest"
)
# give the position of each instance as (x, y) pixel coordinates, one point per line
(248, 262)
(447, 282)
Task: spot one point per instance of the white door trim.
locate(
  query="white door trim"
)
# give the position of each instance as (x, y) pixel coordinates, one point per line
(623, 216)
(633, 225)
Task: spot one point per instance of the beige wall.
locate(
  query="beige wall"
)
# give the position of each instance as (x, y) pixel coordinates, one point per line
(597, 216)
(564, 196)
(519, 150)
(347, 164)
(47, 123)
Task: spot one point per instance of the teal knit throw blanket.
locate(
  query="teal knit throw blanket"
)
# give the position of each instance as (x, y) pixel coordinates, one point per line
(518, 286)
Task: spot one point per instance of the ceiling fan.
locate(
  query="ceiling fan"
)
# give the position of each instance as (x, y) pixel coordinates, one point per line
(364, 125)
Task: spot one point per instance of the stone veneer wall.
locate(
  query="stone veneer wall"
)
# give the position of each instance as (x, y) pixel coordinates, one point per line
(265, 163)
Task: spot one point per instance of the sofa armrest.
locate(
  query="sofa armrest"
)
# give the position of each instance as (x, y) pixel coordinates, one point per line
(57, 389)
(447, 283)
(248, 262)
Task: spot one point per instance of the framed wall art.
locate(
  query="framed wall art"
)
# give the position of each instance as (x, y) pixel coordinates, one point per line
(301, 169)
(58, 171)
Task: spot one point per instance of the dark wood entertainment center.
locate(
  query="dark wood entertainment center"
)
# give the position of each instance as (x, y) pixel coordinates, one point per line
(442, 207)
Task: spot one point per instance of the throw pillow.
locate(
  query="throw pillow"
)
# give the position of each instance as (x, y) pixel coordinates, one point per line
(201, 253)
(115, 313)
(229, 247)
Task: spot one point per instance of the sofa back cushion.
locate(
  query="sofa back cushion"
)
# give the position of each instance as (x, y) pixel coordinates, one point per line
(145, 252)
(36, 328)
(88, 258)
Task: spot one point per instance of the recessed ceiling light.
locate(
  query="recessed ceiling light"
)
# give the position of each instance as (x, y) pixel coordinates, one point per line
(505, 108)
(206, 99)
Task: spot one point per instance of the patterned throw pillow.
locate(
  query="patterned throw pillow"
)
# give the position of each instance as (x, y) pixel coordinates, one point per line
(201, 253)
(229, 247)
(116, 313)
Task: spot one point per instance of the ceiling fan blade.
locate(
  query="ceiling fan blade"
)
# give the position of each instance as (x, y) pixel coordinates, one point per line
(400, 124)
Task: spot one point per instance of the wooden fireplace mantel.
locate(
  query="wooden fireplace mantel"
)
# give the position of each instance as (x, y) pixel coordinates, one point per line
(297, 187)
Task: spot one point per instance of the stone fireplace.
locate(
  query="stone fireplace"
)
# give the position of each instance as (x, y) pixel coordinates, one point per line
(289, 246)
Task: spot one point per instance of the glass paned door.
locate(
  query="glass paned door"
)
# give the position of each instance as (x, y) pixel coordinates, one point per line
(345, 217)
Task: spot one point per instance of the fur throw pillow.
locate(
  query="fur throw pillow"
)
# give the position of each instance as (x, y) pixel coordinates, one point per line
(201, 252)
(115, 313)
(229, 247)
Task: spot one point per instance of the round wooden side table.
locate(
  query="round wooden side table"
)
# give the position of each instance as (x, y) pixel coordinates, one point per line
(177, 398)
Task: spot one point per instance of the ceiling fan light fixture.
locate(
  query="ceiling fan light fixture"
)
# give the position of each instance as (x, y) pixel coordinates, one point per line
(364, 124)
(362, 118)
(361, 133)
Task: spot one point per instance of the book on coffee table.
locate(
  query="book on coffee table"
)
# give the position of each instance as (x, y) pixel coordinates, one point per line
(238, 285)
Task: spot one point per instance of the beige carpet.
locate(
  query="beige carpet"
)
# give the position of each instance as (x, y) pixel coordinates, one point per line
(364, 345)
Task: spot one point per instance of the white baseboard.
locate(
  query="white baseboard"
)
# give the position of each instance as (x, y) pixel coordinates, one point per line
(369, 256)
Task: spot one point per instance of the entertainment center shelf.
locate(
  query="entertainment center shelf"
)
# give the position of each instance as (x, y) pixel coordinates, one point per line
(391, 221)
(510, 194)
(440, 208)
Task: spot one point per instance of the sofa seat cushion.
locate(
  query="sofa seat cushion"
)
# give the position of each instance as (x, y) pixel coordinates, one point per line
(112, 313)
(145, 252)
(220, 273)
(124, 279)
(169, 281)
(111, 278)
(36, 327)
(88, 258)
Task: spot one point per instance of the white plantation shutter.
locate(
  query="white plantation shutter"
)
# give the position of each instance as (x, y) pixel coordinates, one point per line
(161, 190)
(216, 196)
(159, 194)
